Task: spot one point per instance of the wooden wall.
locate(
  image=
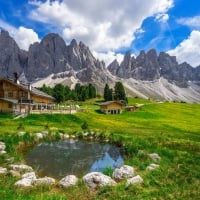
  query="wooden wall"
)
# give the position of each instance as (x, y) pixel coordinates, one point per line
(5, 107)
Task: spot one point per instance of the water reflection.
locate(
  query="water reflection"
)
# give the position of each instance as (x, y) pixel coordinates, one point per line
(106, 162)
(62, 158)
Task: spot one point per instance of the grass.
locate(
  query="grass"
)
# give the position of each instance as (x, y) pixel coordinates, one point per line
(170, 129)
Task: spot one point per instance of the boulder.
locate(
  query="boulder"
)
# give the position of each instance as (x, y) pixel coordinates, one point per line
(123, 172)
(21, 133)
(25, 182)
(45, 180)
(3, 170)
(65, 136)
(29, 175)
(152, 167)
(2, 152)
(61, 135)
(154, 156)
(68, 181)
(39, 135)
(134, 180)
(21, 168)
(2, 146)
(45, 133)
(97, 179)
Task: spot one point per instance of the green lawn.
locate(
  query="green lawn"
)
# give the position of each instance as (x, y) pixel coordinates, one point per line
(170, 129)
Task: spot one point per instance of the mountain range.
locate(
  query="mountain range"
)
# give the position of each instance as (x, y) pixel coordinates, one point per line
(51, 61)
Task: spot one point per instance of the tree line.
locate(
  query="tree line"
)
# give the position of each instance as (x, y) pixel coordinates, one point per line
(63, 93)
(80, 92)
(117, 93)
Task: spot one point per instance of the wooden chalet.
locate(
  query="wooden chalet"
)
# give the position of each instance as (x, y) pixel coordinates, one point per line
(111, 107)
(19, 98)
(133, 108)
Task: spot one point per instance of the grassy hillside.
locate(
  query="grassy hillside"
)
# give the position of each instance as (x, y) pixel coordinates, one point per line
(170, 129)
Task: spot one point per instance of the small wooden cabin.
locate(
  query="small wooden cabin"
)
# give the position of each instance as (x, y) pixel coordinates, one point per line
(111, 107)
(16, 97)
(133, 108)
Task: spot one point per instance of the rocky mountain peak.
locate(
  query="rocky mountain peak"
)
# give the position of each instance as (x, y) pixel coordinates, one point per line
(52, 58)
(150, 66)
(152, 54)
(73, 43)
(52, 42)
(12, 59)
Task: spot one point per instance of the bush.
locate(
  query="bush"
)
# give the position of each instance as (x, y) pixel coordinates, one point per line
(84, 126)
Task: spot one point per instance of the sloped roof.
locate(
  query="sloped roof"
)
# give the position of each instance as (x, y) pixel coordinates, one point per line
(26, 86)
(110, 102)
(9, 100)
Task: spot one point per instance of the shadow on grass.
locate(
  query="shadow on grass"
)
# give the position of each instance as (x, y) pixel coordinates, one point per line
(99, 112)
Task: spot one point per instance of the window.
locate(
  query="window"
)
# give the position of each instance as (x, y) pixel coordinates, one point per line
(10, 94)
(10, 105)
(22, 94)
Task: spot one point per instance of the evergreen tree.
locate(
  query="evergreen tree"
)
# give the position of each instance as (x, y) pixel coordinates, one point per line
(46, 89)
(59, 93)
(73, 95)
(67, 93)
(77, 90)
(107, 93)
(119, 92)
(84, 95)
(92, 91)
(110, 95)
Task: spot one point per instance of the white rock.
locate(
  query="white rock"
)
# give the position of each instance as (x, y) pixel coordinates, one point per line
(25, 182)
(2, 152)
(2, 146)
(3, 170)
(29, 175)
(72, 136)
(85, 134)
(68, 181)
(39, 135)
(45, 180)
(65, 136)
(123, 172)
(45, 133)
(21, 133)
(154, 156)
(134, 180)
(21, 168)
(152, 167)
(97, 179)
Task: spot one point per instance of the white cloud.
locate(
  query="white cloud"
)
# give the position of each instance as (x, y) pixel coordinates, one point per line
(193, 22)
(23, 36)
(188, 50)
(162, 17)
(108, 57)
(104, 25)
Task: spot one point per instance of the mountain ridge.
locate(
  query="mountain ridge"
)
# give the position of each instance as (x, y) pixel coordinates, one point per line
(52, 61)
(150, 66)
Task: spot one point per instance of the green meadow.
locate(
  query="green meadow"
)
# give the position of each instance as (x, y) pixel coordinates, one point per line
(170, 129)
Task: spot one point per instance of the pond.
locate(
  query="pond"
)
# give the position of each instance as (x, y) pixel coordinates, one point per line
(77, 157)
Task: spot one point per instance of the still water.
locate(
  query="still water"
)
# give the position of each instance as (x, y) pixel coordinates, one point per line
(58, 159)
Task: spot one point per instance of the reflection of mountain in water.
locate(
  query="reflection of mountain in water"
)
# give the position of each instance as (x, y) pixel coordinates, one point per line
(62, 158)
(106, 162)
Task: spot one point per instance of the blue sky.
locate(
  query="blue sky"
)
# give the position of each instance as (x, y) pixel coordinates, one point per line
(109, 27)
